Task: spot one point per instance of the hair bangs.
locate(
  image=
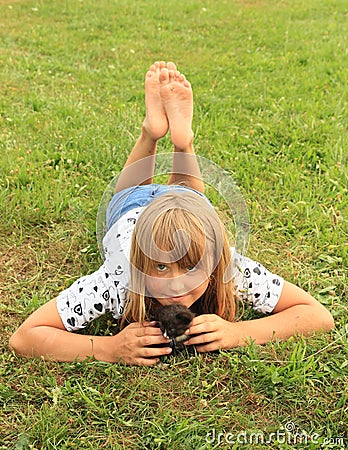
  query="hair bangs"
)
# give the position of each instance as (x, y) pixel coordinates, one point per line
(178, 236)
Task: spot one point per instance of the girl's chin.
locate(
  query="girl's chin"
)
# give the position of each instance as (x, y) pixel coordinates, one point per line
(180, 300)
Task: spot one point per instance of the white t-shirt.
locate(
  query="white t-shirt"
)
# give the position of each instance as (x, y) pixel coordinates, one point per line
(106, 289)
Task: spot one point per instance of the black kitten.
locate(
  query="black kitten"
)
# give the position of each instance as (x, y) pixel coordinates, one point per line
(174, 320)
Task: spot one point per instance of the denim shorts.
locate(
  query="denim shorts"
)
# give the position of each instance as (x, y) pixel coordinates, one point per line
(138, 196)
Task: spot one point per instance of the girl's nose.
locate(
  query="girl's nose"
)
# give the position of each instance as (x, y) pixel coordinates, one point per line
(177, 284)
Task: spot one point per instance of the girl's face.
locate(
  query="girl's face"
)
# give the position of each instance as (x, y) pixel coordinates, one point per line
(171, 284)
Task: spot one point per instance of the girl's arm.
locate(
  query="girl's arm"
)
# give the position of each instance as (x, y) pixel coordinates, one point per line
(296, 312)
(44, 335)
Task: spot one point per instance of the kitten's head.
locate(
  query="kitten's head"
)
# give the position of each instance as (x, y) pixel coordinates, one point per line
(174, 320)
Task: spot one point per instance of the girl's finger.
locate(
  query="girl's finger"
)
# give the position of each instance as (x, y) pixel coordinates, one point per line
(147, 330)
(147, 361)
(203, 338)
(206, 327)
(149, 340)
(203, 318)
(207, 348)
(150, 331)
(150, 352)
(149, 324)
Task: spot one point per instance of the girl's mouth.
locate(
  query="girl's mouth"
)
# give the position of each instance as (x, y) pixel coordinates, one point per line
(176, 299)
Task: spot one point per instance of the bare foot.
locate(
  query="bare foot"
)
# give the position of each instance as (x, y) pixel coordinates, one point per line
(177, 100)
(155, 123)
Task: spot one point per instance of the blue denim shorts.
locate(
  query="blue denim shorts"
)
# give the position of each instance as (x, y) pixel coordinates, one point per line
(138, 196)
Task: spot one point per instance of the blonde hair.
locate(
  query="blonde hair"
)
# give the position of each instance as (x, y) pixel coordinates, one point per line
(181, 227)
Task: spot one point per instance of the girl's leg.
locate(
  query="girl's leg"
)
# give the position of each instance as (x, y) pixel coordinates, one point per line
(177, 100)
(139, 167)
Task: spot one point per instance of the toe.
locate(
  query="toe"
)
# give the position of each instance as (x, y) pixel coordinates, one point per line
(177, 75)
(153, 68)
(171, 66)
(164, 76)
(171, 75)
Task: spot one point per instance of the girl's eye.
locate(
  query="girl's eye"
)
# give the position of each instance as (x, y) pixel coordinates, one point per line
(190, 268)
(161, 267)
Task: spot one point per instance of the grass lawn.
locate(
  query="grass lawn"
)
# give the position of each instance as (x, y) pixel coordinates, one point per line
(269, 80)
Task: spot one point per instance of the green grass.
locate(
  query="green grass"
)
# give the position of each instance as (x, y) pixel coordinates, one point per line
(269, 80)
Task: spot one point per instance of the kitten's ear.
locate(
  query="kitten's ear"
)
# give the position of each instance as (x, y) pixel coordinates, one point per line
(183, 318)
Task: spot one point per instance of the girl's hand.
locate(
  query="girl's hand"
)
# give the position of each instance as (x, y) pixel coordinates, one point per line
(133, 344)
(217, 333)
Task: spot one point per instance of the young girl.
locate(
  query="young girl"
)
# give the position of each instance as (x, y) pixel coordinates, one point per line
(165, 245)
